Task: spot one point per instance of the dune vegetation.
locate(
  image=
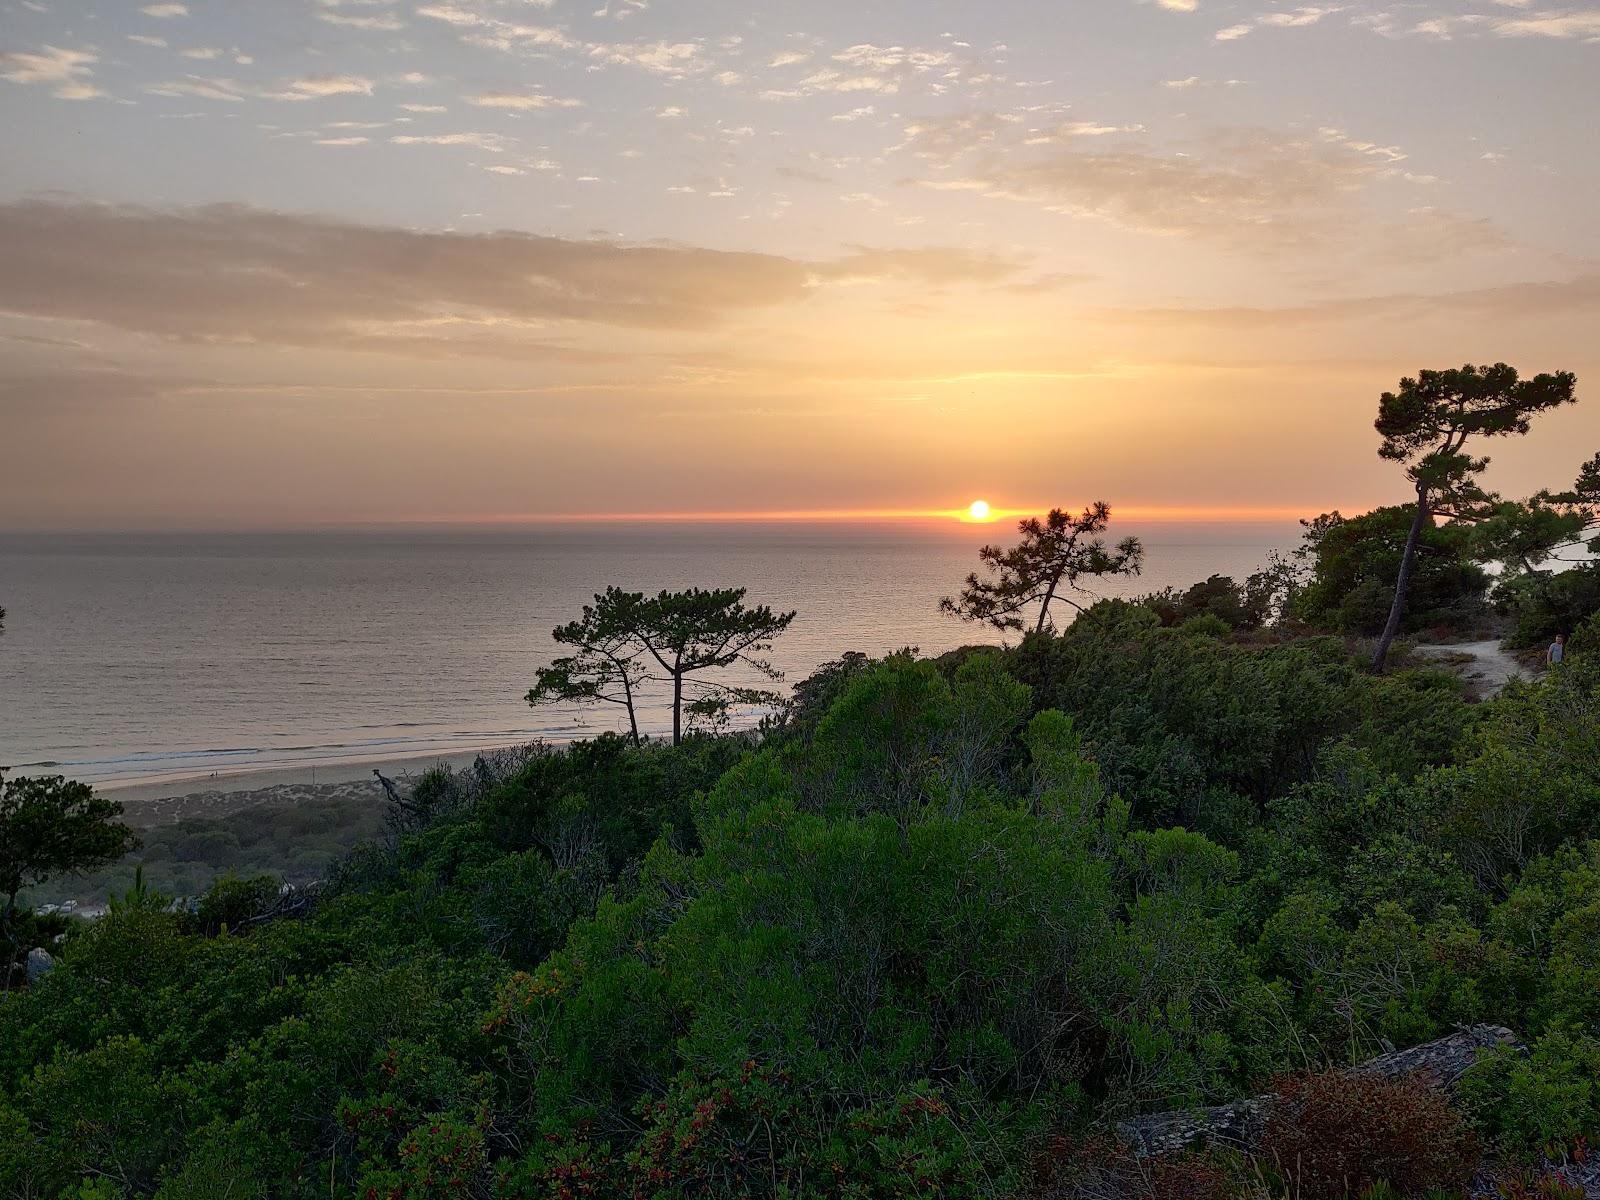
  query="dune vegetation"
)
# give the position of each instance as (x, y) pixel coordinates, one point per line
(933, 928)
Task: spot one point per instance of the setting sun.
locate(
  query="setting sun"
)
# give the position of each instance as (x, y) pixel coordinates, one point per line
(978, 510)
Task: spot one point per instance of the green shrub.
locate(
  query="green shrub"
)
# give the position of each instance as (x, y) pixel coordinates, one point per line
(1542, 1101)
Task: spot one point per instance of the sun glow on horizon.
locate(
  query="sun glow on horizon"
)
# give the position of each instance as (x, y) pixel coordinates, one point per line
(968, 514)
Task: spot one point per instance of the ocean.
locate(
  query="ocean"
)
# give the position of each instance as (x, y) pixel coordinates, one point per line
(148, 657)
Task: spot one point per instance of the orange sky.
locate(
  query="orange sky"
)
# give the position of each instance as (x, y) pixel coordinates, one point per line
(266, 266)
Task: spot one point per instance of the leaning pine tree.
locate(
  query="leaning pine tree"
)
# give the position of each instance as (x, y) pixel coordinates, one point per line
(1427, 424)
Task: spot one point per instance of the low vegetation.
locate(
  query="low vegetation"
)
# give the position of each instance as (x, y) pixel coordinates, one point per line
(942, 917)
(933, 931)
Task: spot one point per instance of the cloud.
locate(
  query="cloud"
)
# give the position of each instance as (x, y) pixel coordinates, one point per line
(236, 275)
(1195, 81)
(1583, 24)
(946, 140)
(494, 33)
(202, 87)
(674, 59)
(1559, 24)
(67, 71)
(384, 22)
(492, 142)
(312, 87)
(316, 86)
(1291, 19)
(522, 100)
(1262, 190)
(165, 10)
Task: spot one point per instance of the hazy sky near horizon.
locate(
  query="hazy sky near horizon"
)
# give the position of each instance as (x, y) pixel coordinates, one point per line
(369, 260)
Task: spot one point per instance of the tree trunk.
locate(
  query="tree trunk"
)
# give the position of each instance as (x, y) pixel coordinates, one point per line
(6, 925)
(1397, 610)
(677, 707)
(627, 694)
(1044, 607)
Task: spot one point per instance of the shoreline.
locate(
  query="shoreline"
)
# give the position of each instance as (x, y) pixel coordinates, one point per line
(310, 774)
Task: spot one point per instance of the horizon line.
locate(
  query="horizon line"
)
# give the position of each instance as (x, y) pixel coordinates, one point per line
(962, 515)
(1152, 514)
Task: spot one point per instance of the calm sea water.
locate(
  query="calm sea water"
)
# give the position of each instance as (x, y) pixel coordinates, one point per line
(177, 655)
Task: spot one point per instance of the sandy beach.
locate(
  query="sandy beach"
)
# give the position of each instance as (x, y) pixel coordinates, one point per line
(148, 803)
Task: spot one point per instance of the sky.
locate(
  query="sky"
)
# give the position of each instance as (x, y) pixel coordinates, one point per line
(343, 261)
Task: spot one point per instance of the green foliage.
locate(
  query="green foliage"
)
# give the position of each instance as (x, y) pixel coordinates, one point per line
(1354, 561)
(1542, 1102)
(232, 902)
(1543, 606)
(1227, 604)
(1185, 727)
(1053, 556)
(606, 668)
(684, 634)
(1426, 425)
(940, 922)
(50, 826)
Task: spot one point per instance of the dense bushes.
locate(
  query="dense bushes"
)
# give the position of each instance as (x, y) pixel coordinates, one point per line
(1196, 730)
(1542, 606)
(932, 936)
(1355, 561)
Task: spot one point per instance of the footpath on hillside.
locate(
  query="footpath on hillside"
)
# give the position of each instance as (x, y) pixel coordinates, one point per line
(1489, 667)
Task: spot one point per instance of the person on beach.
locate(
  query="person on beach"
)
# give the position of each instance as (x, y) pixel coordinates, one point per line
(1557, 651)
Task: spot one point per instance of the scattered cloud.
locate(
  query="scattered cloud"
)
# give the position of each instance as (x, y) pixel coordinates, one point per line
(493, 142)
(65, 72)
(522, 100)
(311, 87)
(384, 22)
(1255, 189)
(315, 86)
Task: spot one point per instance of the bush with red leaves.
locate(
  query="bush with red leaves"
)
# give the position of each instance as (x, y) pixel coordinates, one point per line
(1332, 1134)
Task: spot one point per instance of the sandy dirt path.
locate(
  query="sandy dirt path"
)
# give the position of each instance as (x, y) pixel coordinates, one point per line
(1491, 667)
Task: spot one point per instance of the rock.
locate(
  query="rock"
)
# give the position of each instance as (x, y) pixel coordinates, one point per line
(39, 963)
(1232, 1125)
(1440, 1063)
